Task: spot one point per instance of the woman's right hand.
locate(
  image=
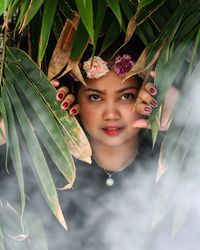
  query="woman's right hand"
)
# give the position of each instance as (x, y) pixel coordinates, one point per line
(65, 98)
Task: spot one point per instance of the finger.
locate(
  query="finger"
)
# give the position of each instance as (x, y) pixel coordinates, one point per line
(150, 88)
(68, 100)
(152, 73)
(147, 98)
(143, 109)
(55, 83)
(62, 92)
(75, 110)
(141, 123)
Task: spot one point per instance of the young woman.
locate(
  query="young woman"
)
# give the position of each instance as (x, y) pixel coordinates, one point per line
(111, 203)
(106, 111)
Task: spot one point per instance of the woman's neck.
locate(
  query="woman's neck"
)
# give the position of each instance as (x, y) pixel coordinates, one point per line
(115, 158)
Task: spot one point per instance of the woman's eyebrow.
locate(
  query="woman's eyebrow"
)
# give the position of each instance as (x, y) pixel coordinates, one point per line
(93, 90)
(128, 88)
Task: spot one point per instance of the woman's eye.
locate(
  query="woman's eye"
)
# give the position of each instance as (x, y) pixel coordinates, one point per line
(128, 96)
(95, 98)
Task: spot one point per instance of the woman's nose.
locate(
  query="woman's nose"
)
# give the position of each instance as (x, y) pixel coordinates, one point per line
(111, 112)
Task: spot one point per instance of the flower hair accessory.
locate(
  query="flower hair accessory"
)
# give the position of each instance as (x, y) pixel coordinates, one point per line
(96, 67)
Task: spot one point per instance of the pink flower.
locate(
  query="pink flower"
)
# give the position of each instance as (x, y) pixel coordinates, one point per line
(95, 67)
(123, 64)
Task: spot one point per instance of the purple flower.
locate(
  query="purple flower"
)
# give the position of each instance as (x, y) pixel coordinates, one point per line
(123, 64)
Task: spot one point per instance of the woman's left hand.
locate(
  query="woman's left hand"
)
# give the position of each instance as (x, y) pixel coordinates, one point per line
(146, 102)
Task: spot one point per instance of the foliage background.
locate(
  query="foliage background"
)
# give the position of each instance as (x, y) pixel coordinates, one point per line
(40, 38)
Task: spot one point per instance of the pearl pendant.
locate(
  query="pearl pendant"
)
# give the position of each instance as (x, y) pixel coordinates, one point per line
(109, 182)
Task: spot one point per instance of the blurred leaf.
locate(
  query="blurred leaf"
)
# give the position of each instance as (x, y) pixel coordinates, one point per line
(128, 7)
(143, 3)
(5, 121)
(57, 25)
(13, 7)
(111, 35)
(66, 9)
(115, 7)
(2, 123)
(40, 167)
(4, 5)
(190, 23)
(76, 138)
(143, 13)
(36, 231)
(180, 153)
(99, 14)
(146, 33)
(85, 9)
(168, 33)
(33, 8)
(23, 9)
(47, 21)
(14, 147)
(2, 247)
(80, 42)
(11, 222)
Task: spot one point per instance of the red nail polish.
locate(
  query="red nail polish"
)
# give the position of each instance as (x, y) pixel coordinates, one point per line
(60, 96)
(153, 103)
(153, 91)
(73, 111)
(148, 109)
(65, 105)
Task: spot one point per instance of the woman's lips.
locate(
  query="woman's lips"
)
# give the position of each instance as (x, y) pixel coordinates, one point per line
(112, 130)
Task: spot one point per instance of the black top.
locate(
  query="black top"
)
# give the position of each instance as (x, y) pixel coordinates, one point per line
(112, 218)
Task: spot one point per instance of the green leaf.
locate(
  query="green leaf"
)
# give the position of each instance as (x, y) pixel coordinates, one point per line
(85, 9)
(11, 222)
(129, 8)
(43, 122)
(57, 25)
(14, 147)
(13, 7)
(111, 35)
(33, 8)
(66, 9)
(47, 21)
(4, 116)
(23, 9)
(144, 13)
(4, 5)
(36, 231)
(40, 167)
(80, 42)
(69, 124)
(115, 7)
(100, 10)
(143, 3)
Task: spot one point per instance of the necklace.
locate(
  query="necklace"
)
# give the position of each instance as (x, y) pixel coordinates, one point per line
(109, 180)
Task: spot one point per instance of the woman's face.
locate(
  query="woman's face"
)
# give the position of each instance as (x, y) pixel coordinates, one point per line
(106, 109)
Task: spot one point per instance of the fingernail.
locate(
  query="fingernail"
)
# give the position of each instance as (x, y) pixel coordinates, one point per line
(73, 111)
(55, 83)
(60, 96)
(153, 103)
(65, 105)
(148, 109)
(153, 91)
